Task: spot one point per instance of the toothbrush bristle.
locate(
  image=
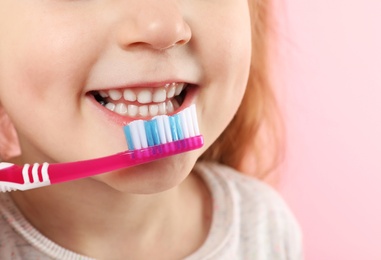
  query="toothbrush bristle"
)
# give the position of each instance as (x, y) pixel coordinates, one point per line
(162, 129)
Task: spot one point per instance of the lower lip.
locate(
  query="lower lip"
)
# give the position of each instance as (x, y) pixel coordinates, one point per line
(190, 97)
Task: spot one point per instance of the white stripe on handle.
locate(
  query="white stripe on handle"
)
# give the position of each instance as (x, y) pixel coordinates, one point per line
(25, 173)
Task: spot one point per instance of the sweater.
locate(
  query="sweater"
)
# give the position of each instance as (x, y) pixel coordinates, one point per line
(250, 221)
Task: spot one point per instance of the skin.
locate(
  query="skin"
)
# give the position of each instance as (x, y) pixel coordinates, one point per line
(53, 52)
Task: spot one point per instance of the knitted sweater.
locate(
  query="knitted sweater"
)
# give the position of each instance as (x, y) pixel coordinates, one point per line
(250, 222)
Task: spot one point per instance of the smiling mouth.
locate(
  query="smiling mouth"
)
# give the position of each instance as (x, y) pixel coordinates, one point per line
(141, 102)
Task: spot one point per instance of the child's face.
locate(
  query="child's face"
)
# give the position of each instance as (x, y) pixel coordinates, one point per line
(55, 54)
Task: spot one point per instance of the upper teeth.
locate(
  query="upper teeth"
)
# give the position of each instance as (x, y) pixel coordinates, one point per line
(158, 100)
(145, 95)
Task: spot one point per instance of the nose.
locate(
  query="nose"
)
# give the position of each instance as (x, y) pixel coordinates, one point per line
(158, 24)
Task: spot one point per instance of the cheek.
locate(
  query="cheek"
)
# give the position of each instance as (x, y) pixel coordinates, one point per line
(228, 64)
(38, 65)
(44, 58)
(226, 47)
(43, 46)
(43, 68)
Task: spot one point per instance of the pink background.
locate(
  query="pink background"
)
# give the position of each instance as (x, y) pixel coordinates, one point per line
(328, 76)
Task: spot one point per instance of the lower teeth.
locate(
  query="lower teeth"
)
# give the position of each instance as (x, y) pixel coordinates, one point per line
(143, 110)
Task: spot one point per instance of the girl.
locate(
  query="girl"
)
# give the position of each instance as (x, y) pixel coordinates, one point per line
(55, 54)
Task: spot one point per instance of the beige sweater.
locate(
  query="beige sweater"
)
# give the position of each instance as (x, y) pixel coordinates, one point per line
(250, 221)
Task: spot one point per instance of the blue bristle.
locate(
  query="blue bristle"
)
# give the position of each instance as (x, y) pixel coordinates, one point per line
(155, 132)
(172, 122)
(180, 133)
(127, 133)
(147, 126)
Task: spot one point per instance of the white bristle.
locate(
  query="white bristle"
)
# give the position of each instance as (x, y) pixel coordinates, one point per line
(135, 135)
(167, 128)
(142, 133)
(161, 129)
(194, 119)
(190, 122)
(184, 124)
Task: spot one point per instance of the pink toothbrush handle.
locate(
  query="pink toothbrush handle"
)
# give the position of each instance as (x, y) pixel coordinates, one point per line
(15, 177)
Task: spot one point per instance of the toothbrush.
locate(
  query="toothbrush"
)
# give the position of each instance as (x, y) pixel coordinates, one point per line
(147, 141)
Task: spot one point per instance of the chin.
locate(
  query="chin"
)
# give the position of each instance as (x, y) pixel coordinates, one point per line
(150, 178)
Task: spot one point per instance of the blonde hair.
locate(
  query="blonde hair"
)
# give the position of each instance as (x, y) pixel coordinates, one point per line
(256, 150)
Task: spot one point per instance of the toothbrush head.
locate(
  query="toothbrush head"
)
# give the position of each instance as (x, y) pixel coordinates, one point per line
(162, 130)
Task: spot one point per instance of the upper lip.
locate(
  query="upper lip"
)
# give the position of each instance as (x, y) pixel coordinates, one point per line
(147, 84)
(124, 84)
(143, 95)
